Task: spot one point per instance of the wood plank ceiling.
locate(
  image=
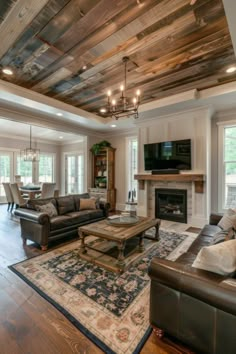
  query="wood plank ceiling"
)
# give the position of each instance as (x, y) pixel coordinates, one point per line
(72, 50)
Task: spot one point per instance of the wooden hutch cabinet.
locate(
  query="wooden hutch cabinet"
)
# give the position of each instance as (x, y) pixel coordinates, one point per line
(103, 176)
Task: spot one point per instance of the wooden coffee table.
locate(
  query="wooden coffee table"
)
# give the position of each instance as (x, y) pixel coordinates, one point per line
(118, 234)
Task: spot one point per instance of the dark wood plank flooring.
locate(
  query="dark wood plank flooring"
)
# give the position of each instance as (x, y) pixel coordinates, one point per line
(28, 323)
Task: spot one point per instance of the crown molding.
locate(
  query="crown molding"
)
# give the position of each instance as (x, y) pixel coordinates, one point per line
(226, 114)
(175, 116)
(45, 122)
(9, 91)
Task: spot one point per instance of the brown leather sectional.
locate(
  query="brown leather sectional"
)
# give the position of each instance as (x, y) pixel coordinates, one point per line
(195, 306)
(38, 227)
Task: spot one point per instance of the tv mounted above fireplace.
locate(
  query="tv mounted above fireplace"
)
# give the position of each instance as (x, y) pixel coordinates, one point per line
(168, 155)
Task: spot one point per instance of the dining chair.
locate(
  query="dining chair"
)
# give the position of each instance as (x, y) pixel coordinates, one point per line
(48, 190)
(17, 197)
(9, 196)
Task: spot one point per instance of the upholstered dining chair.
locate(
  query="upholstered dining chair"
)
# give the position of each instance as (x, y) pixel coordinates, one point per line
(17, 197)
(47, 190)
(9, 196)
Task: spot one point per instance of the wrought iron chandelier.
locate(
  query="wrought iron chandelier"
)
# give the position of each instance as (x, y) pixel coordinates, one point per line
(30, 154)
(125, 106)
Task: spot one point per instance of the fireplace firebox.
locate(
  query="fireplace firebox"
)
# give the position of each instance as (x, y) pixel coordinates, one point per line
(171, 204)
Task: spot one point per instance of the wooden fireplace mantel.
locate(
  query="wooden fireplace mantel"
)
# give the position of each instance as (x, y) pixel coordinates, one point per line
(197, 179)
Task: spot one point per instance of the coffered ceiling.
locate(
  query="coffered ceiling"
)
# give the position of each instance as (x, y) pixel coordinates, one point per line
(72, 50)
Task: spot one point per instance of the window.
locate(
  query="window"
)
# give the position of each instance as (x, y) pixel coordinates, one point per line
(227, 179)
(132, 167)
(24, 169)
(46, 168)
(5, 171)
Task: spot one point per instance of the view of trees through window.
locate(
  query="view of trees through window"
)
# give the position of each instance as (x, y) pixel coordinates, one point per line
(24, 169)
(46, 168)
(4, 171)
(230, 166)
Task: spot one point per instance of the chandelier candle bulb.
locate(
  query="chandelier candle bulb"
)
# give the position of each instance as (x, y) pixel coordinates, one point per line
(124, 106)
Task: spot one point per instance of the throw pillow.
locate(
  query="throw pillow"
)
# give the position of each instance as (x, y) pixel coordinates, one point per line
(48, 209)
(219, 258)
(228, 220)
(223, 235)
(87, 204)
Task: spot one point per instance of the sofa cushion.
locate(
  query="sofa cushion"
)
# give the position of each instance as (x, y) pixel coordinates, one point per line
(87, 204)
(210, 230)
(94, 214)
(228, 220)
(60, 221)
(48, 208)
(78, 217)
(31, 204)
(85, 215)
(200, 242)
(223, 235)
(219, 258)
(77, 199)
(65, 204)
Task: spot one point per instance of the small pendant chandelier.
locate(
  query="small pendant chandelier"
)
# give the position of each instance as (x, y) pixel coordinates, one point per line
(125, 106)
(30, 154)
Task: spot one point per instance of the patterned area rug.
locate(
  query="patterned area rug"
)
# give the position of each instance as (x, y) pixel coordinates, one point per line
(111, 309)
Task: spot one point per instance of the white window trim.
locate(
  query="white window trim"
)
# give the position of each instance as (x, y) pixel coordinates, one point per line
(128, 138)
(63, 164)
(221, 164)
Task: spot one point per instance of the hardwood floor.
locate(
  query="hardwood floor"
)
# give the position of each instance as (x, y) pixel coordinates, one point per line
(28, 323)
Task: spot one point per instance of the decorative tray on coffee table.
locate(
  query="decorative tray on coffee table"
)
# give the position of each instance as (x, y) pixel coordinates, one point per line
(122, 220)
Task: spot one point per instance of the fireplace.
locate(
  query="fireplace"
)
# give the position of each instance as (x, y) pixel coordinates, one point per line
(171, 204)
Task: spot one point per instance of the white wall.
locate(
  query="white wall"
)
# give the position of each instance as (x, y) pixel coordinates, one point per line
(194, 125)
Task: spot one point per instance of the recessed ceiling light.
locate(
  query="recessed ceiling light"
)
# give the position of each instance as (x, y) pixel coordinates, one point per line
(7, 71)
(103, 110)
(230, 70)
(84, 67)
(60, 137)
(113, 125)
(59, 114)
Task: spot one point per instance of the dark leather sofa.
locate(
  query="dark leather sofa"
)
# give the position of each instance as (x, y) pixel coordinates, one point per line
(40, 228)
(195, 306)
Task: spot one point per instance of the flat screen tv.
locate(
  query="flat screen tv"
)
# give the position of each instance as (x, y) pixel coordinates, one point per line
(168, 155)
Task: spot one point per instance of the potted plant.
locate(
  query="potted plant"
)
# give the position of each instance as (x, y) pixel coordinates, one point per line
(98, 146)
(102, 182)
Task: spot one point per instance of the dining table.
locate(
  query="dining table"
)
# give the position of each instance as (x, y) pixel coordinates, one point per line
(31, 191)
